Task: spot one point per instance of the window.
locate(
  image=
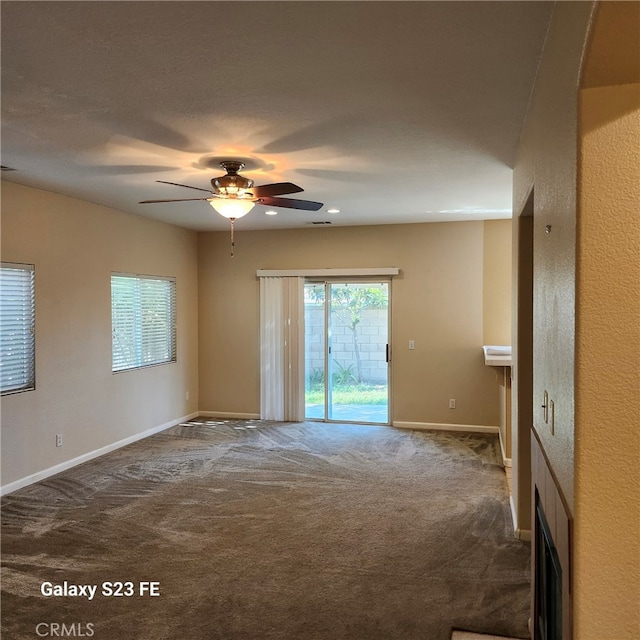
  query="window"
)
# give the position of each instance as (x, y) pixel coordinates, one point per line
(143, 321)
(17, 328)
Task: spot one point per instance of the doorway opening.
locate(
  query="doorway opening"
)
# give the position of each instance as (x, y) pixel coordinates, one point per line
(347, 351)
(522, 370)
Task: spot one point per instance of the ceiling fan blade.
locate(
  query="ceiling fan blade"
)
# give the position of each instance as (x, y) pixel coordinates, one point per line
(175, 184)
(275, 189)
(178, 200)
(291, 203)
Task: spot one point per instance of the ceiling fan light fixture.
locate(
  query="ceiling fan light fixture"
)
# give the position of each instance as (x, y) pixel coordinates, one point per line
(233, 191)
(232, 207)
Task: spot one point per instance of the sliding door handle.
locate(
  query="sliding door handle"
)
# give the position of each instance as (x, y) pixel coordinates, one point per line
(388, 353)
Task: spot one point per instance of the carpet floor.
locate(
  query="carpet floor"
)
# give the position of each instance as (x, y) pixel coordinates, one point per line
(269, 531)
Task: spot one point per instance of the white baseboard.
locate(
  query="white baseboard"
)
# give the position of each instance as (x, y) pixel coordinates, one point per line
(229, 415)
(437, 426)
(506, 462)
(520, 534)
(514, 517)
(85, 457)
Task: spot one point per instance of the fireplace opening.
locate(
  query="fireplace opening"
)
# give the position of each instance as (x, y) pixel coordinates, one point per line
(548, 582)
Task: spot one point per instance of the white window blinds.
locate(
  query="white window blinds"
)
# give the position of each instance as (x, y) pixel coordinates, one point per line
(143, 320)
(17, 328)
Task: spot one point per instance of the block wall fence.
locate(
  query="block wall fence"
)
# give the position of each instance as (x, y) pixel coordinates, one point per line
(372, 338)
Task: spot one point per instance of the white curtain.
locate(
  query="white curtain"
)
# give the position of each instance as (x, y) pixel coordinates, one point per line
(282, 348)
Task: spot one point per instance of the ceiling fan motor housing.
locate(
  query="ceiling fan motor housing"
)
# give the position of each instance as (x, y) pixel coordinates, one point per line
(232, 185)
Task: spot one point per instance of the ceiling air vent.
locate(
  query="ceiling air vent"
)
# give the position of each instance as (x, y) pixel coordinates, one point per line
(319, 222)
(6, 168)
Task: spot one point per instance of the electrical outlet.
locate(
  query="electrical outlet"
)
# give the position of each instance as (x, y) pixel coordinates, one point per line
(412, 344)
(58, 439)
(452, 403)
(186, 396)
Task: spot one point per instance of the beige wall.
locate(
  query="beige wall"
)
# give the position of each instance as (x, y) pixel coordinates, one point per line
(496, 311)
(607, 486)
(496, 299)
(437, 301)
(547, 161)
(75, 246)
(586, 340)
(607, 526)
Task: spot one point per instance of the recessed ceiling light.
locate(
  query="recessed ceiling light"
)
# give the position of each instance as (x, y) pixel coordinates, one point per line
(271, 213)
(333, 210)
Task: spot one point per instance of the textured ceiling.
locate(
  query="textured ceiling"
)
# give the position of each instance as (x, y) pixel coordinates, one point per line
(389, 111)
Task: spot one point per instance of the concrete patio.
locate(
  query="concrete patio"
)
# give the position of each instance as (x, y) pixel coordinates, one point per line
(377, 413)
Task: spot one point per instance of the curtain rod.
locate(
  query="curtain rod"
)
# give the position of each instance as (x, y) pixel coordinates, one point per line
(368, 271)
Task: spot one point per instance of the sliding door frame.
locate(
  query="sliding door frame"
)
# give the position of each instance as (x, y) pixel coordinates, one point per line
(328, 281)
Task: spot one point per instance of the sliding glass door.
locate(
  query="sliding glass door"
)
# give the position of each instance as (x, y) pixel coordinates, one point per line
(346, 351)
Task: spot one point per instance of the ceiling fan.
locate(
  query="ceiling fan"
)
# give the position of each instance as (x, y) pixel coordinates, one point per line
(233, 195)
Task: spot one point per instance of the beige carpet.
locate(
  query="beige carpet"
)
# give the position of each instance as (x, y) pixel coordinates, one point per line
(267, 531)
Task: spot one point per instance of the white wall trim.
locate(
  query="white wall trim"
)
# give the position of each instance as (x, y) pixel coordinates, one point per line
(438, 426)
(506, 462)
(85, 457)
(229, 415)
(328, 273)
(514, 517)
(520, 534)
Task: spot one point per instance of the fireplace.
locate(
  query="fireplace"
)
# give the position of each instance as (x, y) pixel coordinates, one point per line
(552, 532)
(547, 582)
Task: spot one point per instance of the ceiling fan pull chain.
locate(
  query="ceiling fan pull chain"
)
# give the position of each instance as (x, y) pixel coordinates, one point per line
(233, 243)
